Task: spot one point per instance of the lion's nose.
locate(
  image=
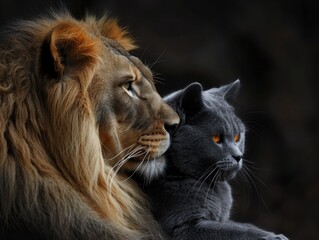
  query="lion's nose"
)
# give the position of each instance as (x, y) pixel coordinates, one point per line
(173, 119)
(171, 128)
(168, 115)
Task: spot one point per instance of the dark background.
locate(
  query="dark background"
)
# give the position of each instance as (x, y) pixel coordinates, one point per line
(272, 47)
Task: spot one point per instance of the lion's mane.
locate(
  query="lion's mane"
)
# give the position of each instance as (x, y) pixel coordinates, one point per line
(52, 173)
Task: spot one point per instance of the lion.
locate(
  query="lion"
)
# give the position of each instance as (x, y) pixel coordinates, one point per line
(78, 112)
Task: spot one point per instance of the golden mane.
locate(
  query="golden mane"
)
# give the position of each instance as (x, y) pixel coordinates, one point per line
(50, 152)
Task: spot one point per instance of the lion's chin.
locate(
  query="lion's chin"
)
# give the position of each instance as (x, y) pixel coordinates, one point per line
(151, 165)
(152, 169)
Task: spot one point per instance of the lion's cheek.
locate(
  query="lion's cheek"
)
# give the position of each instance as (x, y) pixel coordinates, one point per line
(109, 145)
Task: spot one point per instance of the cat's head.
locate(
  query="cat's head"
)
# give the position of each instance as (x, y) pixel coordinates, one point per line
(209, 142)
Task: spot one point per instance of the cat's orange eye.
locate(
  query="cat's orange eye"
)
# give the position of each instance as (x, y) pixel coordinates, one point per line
(217, 138)
(237, 137)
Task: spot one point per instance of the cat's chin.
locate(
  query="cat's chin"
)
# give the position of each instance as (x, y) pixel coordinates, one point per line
(152, 169)
(227, 175)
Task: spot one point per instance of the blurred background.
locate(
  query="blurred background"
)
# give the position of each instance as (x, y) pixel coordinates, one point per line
(272, 47)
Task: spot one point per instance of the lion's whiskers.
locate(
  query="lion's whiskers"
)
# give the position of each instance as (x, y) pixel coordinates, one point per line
(129, 148)
(140, 164)
(135, 152)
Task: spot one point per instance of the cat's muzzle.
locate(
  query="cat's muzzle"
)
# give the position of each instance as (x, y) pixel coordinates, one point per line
(230, 166)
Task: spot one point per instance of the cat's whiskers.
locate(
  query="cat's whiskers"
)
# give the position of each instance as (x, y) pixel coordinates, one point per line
(251, 164)
(249, 175)
(248, 180)
(209, 174)
(253, 174)
(249, 186)
(254, 126)
(199, 179)
(202, 176)
(213, 181)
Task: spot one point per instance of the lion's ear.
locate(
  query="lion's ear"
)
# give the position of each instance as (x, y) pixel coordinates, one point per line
(68, 48)
(110, 28)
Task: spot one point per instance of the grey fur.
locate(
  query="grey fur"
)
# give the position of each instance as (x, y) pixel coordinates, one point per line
(193, 199)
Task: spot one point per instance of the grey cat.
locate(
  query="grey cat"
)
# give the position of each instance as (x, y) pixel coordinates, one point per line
(192, 199)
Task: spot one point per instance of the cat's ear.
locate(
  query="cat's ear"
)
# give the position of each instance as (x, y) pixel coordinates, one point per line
(191, 100)
(229, 91)
(187, 101)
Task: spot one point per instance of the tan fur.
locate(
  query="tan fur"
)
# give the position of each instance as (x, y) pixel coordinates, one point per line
(111, 29)
(65, 123)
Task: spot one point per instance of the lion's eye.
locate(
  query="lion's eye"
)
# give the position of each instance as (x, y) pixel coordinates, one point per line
(128, 85)
(128, 88)
(217, 138)
(237, 137)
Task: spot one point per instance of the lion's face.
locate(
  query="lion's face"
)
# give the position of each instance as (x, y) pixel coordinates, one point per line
(131, 115)
(113, 86)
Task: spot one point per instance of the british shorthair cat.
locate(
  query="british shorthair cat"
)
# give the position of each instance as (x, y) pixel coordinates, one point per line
(192, 199)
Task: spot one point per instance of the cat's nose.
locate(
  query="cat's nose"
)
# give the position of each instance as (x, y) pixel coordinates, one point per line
(238, 157)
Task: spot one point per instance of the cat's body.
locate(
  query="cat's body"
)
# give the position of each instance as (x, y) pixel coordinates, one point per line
(192, 199)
